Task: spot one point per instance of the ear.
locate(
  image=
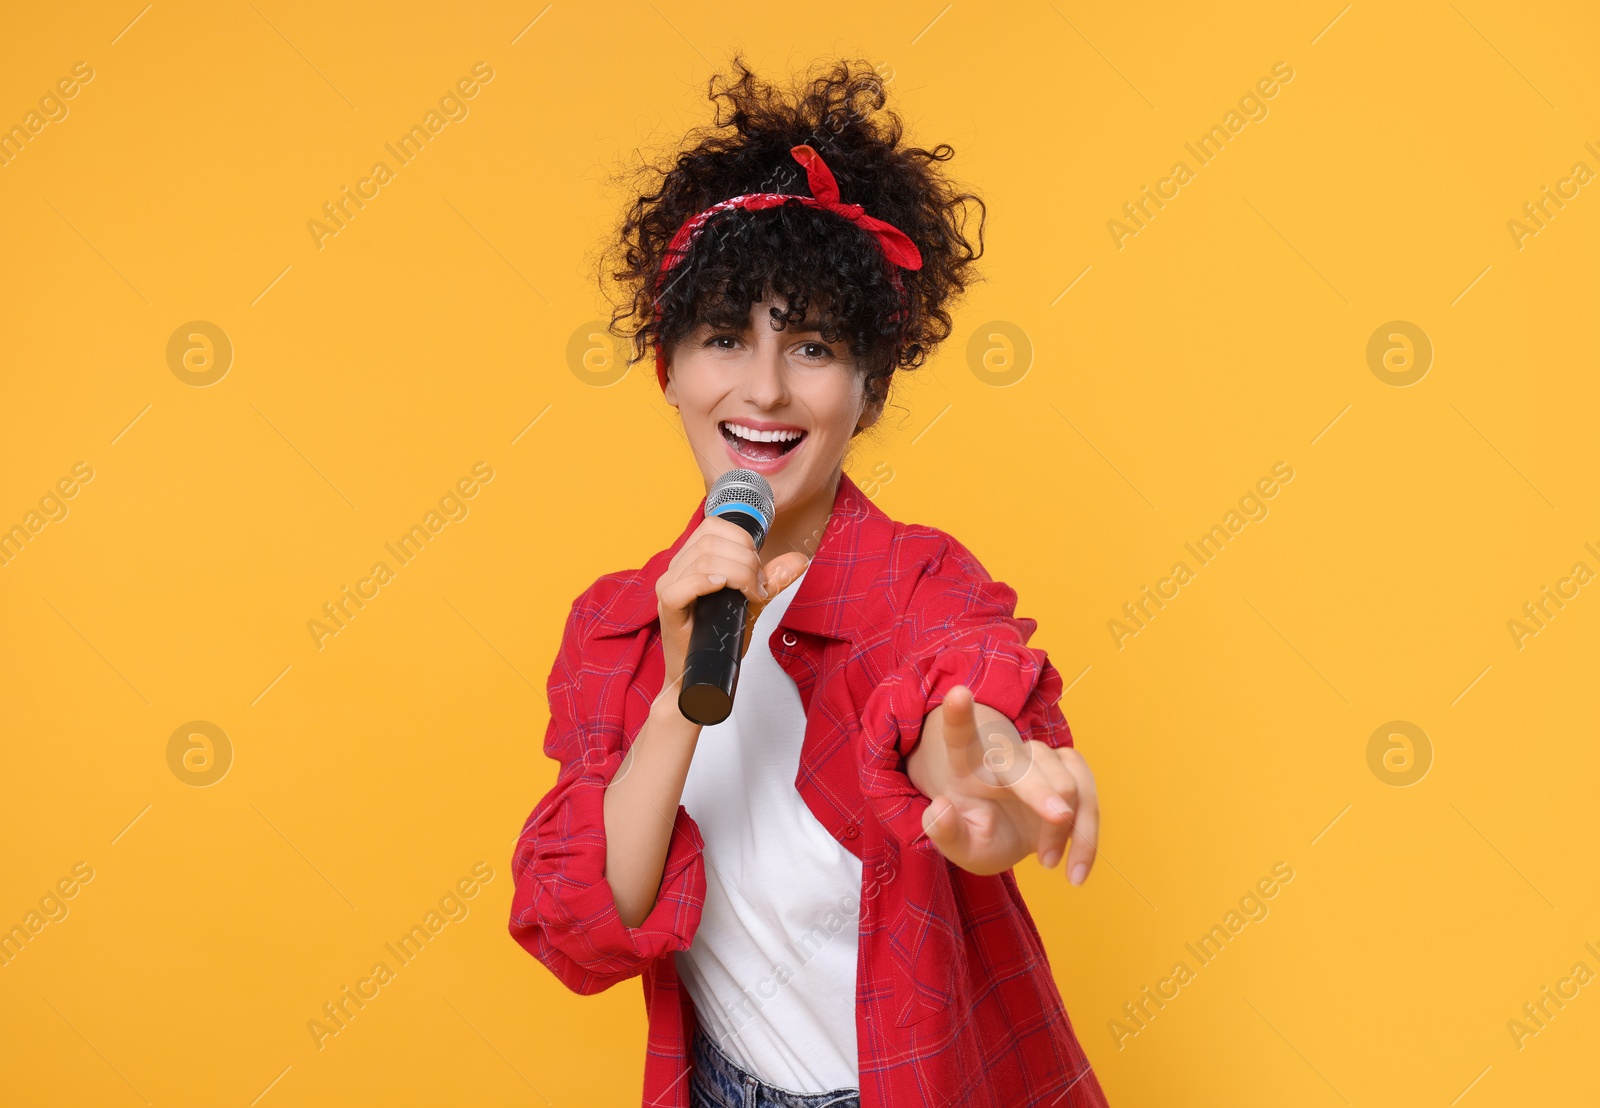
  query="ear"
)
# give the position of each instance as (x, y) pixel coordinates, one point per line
(870, 414)
(671, 391)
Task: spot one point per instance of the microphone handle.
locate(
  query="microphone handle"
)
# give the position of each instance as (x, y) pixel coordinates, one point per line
(711, 668)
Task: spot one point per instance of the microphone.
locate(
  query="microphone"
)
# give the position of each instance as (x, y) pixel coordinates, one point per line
(711, 668)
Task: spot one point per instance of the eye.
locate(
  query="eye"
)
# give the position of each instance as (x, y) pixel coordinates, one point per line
(816, 350)
(718, 337)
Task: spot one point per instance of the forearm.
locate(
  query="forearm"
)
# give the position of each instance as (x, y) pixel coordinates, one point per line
(928, 765)
(641, 805)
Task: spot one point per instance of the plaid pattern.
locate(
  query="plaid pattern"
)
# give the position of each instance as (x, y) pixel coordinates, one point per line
(955, 1002)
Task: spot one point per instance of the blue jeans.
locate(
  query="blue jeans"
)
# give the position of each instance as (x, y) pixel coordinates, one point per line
(718, 1083)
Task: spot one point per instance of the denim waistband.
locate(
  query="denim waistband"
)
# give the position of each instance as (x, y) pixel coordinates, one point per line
(723, 1084)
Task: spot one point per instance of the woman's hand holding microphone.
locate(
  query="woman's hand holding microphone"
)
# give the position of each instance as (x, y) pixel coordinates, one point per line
(718, 555)
(642, 798)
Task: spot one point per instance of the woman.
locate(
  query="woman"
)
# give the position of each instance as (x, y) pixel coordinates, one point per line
(817, 891)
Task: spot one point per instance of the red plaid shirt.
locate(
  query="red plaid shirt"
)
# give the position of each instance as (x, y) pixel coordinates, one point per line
(955, 1002)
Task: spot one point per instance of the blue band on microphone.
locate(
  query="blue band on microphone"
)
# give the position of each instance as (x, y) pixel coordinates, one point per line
(744, 509)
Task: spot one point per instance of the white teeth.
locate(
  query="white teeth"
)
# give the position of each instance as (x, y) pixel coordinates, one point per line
(743, 432)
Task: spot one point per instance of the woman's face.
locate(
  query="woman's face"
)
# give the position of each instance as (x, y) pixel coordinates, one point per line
(782, 403)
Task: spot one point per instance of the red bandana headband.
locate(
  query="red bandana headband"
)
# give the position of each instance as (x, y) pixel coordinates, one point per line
(897, 247)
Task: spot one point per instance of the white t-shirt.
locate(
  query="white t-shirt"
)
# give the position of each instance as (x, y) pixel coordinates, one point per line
(772, 969)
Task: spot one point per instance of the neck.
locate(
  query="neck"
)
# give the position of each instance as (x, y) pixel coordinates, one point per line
(801, 526)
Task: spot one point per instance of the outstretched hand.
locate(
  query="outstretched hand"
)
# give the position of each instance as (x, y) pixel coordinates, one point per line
(995, 798)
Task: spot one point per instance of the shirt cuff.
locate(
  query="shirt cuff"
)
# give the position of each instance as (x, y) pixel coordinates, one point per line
(1015, 680)
(564, 912)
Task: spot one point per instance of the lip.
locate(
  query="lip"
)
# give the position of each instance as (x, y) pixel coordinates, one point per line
(773, 465)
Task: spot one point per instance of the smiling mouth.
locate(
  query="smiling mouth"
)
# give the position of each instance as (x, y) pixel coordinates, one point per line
(760, 446)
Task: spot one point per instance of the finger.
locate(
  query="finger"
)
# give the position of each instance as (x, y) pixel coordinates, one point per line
(945, 828)
(716, 537)
(681, 593)
(725, 529)
(959, 715)
(1086, 828)
(737, 571)
(723, 550)
(1034, 776)
(716, 542)
(719, 534)
(703, 580)
(1056, 803)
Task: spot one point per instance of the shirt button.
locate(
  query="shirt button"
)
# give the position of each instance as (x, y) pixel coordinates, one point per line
(850, 831)
(789, 639)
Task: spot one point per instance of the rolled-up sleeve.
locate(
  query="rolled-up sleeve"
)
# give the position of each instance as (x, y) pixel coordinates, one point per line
(563, 911)
(959, 628)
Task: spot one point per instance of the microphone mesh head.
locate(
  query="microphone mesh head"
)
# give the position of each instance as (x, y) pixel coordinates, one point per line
(743, 490)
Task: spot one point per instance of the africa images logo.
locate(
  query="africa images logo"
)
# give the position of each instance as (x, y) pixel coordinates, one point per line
(1251, 108)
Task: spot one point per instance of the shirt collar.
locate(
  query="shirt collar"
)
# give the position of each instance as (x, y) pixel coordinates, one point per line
(847, 559)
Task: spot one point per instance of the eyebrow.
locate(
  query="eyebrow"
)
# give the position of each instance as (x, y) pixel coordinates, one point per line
(807, 328)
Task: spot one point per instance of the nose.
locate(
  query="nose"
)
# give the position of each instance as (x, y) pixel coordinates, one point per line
(767, 385)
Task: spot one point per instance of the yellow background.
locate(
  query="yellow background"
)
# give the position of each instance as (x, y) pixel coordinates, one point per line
(371, 374)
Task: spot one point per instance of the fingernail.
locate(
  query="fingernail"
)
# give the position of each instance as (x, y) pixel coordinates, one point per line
(1048, 861)
(763, 589)
(1079, 872)
(1057, 806)
(717, 579)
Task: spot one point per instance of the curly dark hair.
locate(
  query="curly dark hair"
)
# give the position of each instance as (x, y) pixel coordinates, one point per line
(799, 255)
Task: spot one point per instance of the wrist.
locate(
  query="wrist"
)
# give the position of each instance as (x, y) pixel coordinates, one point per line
(667, 718)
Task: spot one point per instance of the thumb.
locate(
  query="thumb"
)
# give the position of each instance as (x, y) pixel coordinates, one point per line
(943, 826)
(776, 576)
(783, 571)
